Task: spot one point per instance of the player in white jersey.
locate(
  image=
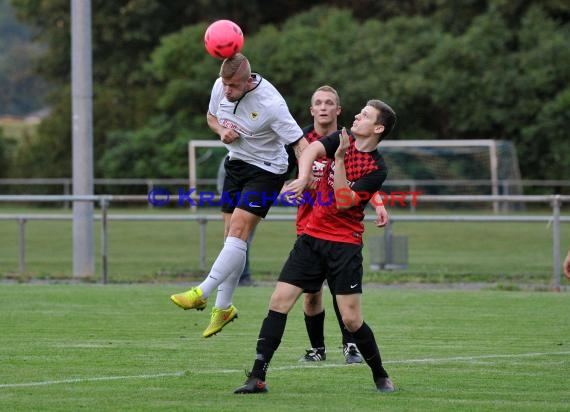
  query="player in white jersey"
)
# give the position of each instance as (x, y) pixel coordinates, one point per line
(253, 121)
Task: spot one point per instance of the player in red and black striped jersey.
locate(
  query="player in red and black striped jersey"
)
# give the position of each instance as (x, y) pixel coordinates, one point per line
(325, 108)
(365, 172)
(331, 245)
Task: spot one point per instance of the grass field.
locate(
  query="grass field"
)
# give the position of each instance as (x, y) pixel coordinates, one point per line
(507, 254)
(68, 347)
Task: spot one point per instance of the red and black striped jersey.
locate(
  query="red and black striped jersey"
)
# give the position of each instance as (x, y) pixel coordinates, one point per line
(365, 173)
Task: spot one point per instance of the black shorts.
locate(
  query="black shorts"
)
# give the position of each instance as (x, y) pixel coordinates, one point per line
(250, 188)
(313, 260)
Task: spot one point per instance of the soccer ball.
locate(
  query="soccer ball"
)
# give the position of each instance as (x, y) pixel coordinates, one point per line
(223, 39)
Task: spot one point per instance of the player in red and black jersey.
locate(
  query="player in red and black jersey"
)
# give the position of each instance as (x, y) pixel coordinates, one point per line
(325, 108)
(331, 245)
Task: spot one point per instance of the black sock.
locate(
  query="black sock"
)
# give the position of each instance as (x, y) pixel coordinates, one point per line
(366, 343)
(316, 329)
(270, 335)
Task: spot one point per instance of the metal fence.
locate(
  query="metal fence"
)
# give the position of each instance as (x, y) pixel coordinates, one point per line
(104, 201)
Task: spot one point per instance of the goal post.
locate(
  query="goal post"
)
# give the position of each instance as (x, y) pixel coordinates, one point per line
(192, 158)
(489, 144)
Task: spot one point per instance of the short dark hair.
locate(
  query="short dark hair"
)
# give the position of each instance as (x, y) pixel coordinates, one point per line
(386, 116)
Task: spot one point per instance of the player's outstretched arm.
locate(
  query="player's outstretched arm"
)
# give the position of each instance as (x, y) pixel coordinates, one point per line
(299, 146)
(304, 179)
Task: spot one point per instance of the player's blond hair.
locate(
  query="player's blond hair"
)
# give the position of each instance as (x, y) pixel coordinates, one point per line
(329, 89)
(236, 65)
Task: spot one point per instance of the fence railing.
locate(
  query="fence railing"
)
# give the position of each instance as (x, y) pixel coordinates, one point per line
(431, 186)
(104, 201)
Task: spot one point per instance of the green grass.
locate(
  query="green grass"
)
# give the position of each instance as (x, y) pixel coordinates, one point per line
(127, 347)
(511, 255)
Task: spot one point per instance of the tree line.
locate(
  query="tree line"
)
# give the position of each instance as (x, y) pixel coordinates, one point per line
(493, 69)
(21, 90)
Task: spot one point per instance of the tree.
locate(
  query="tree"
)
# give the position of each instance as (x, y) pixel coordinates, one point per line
(542, 107)
(489, 81)
(22, 90)
(484, 69)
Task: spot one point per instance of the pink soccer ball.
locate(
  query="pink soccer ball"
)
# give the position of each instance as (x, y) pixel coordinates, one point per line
(223, 39)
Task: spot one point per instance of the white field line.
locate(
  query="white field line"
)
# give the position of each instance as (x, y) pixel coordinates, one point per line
(281, 368)
(80, 380)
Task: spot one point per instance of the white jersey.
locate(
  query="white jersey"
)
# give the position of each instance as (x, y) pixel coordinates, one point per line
(264, 123)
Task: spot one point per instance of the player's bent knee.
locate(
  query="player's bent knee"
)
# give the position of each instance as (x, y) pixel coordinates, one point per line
(280, 306)
(352, 323)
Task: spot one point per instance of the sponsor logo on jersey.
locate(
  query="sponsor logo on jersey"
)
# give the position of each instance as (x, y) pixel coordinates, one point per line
(229, 124)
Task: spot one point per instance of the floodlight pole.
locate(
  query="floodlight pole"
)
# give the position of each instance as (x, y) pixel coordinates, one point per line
(494, 174)
(82, 138)
(556, 257)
